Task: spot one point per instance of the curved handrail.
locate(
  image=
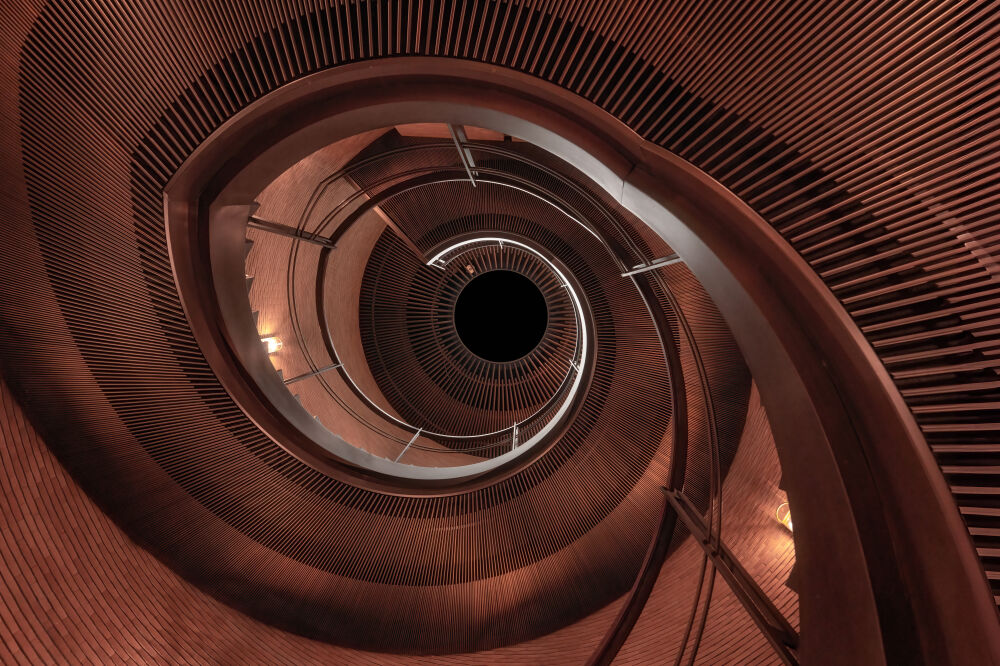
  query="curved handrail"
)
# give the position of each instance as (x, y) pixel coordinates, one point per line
(579, 356)
(437, 174)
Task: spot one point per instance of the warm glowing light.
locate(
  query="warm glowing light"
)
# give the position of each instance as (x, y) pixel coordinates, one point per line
(272, 344)
(784, 515)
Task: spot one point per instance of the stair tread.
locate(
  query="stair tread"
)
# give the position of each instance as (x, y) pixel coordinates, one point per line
(980, 511)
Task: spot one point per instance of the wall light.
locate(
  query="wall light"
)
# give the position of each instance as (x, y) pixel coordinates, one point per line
(272, 344)
(784, 515)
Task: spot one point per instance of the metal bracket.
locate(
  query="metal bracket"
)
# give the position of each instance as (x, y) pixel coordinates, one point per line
(776, 629)
(458, 136)
(313, 373)
(669, 260)
(408, 444)
(290, 232)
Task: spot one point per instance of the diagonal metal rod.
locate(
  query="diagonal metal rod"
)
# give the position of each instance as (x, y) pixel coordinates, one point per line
(378, 210)
(669, 260)
(779, 633)
(409, 444)
(458, 136)
(313, 373)
(290, 232)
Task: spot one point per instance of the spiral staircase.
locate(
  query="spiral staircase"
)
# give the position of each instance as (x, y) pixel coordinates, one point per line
(497, 331)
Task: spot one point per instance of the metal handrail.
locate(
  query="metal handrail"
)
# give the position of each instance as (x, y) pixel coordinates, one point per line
(579, 355)
(486, 175)
(524, 186)
(564, 393)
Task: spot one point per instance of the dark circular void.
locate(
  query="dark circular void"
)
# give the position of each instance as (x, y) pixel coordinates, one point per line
(501, 316)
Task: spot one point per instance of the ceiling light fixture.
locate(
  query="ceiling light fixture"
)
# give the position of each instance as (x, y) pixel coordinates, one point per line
(784, 515)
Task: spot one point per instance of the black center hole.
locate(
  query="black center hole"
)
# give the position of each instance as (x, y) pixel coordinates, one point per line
(501, 316)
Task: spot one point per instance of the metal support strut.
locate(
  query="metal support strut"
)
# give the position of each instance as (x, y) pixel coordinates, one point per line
(408, 444)
(776, 629)
(312, 373)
